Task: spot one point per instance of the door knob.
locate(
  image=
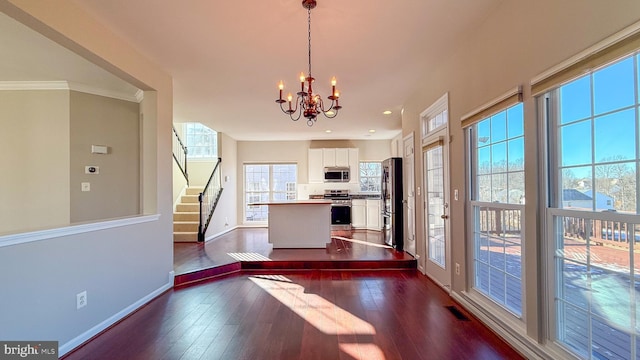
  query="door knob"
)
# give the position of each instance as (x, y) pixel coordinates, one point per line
(444, 217)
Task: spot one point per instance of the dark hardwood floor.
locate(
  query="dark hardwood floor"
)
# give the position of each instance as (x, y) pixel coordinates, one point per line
(341, 302)
(382, 314)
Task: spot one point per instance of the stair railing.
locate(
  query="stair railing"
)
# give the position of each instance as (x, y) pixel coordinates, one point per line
(180, 154)
(208, 199)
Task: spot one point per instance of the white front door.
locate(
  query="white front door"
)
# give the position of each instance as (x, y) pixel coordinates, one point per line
(436, 208)
(408, 168)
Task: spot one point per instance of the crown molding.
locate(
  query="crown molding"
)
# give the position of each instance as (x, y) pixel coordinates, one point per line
(34, 85)
(65, 85)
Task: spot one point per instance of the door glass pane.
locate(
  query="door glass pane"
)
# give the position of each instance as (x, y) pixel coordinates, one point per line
(435, 206)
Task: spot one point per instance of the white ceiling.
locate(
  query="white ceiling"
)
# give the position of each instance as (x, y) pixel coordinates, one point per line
(226, 57)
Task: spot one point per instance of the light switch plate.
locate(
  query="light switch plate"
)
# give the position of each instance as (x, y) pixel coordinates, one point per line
(86, 186)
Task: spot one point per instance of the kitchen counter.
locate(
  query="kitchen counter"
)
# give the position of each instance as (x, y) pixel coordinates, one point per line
(299, 224)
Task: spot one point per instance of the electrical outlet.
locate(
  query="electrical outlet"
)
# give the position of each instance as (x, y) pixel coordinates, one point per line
(457, 269)
(81, 299)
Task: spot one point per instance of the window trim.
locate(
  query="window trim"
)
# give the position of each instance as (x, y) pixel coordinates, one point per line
(360, 176)
(270, 192)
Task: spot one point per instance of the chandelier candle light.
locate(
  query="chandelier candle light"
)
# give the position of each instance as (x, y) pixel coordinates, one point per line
(307, 103)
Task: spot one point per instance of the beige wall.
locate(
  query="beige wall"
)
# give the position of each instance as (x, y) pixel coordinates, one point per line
(115, 190)
(34, 153)
(518, 41)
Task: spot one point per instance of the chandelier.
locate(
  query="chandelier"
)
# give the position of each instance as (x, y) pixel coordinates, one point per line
(307, 103)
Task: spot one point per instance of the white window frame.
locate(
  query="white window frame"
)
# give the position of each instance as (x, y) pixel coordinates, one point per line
(290, 193)
(378, 176)
(479, 295)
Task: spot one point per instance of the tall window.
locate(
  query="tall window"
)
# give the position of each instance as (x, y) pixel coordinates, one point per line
(497, 191)
(267, 182)
(370, 176)
(593, 211)
(201, 142)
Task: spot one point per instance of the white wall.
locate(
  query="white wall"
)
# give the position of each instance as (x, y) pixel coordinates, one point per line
(518, 41)
(121, 266)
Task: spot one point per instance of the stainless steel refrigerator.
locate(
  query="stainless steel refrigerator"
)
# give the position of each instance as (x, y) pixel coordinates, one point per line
(392, 203)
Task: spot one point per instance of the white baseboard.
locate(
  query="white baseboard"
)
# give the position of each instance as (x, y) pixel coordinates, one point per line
(211, 237)
(80, 339)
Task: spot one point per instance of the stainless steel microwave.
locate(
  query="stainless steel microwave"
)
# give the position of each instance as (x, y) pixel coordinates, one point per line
(336, 174)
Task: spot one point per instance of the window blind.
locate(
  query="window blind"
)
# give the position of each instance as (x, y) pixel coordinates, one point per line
(510, 98)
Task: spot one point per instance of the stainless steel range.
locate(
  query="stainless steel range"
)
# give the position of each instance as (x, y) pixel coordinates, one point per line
(340, 209)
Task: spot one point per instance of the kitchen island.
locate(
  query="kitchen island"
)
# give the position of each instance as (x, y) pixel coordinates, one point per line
(299, 224)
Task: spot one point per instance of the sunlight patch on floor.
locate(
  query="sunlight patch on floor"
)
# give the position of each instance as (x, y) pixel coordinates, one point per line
(362, 242)
(248, 257)
(320, 313)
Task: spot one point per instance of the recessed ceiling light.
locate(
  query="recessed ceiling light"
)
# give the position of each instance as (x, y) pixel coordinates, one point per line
(372, 131)
(387, 112)
(327, 131)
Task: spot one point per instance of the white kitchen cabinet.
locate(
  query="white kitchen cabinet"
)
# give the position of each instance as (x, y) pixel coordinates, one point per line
(359, 213)
(332, 157)
(329, 157)
(373, 214)
(342, 157)
(354, 166)
(316, 171)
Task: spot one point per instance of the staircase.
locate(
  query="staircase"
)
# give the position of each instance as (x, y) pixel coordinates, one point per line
(186, 216)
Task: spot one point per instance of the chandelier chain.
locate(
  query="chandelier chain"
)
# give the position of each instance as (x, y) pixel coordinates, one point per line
(307, 103)
(309, 30)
